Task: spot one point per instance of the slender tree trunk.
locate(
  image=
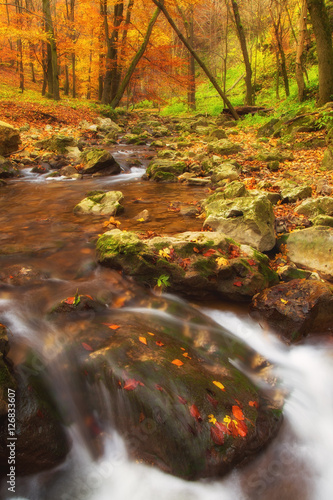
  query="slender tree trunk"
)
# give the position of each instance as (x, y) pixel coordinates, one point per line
(66, 85)
(277, 79)
(191, 62)
(323, 35)
(242, 41)
(112, 52)
(202, 65)
(52, 50)
(280, 51)
(117, 98)
(89, 72)
(300, 55)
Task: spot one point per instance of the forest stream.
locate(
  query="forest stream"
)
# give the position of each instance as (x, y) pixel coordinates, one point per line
(40, 231)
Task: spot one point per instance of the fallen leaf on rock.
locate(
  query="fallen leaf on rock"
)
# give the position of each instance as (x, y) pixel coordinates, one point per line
(177, 362)
(212, 419)
(182, 400)
(237, 412)
(222, 262)
(152, 334)
(69, 300)
(195, 413)
(87, 347)
(112, 326)
(185, 354)
(209, 252)
(219, 385)
(254, 403)
(159, 343)
(217, 436)
(237, 283)
(143, 340)
(131, 384)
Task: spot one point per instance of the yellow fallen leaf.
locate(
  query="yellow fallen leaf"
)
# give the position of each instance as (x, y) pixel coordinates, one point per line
(284, 301)
(152, 334)
(143, 340)
(227, 419)
(221, 262)
(164, 252)
(177, 362)
(185, 354)
(219, 385)
(140, 220)
(212, 419)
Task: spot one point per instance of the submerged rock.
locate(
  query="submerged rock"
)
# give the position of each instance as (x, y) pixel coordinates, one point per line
(100, 203)
(296, 308)
(194, 263)
(165, 381)
(247, 219)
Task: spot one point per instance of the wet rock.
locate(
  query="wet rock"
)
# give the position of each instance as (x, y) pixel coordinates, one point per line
(322, 205)
(100, 203)
(143, 216)
(165, 170)
(57, 144)
(199, 181)
(290, 272)
(248, 219)
(312, 248)
(173, 394)
(40, 169)
(9, 139)
(8, 169)
(138, 139)
(224, 147)
(196, 264)
(296, 308)
(70, 172)
(98, 160)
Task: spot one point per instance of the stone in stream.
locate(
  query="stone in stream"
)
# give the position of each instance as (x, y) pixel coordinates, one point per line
(296, 308)
(100, 203)
(312, 248)
(8, 169)
(165, 170)
(195, 263)
(9, 139)
(41, 440)
(248, 219)
(162, 377)
(98, 160)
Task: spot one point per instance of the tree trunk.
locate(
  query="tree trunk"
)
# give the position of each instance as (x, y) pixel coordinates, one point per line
(300, 55)
(112, 51)
(280, 51)
(117, 98)
(66, 84)
(52, 49)
(242, 41)
(202, 65)
(323, 35)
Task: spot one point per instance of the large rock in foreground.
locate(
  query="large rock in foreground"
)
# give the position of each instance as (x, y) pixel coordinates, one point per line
(100, 203)
(312, 248)
(296, 308)
(98, 160)
(168, 387)
(9, 139)
(247, 219)
(192, 263)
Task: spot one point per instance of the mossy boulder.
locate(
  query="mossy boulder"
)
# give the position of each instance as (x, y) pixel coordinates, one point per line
(224, 147)
(98, 160)
(165, 170)
(217, 133)
(323, 205)
(100, 203)
(248, 219)
(312, 248)
(223, 172)
(9, 138)
(58, 144)
(170, 389)
(274, 155)
(196, 264)
(137, 139)
(8, 169)
(292, 192)
(296, 308)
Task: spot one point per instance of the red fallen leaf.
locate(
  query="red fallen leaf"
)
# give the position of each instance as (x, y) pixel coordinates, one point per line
(196, 250)
(110, 325)
(237, 283)
(142, 417)
(177, 362)
(251, 262)
(254, 403)
(159, 343)
(69, 300)
(233, 429)
(242, 429)
(217, 436)
(182, 400)
(212, 400)
(237, 412)
(131, 384)
(87, 347)
(209, 252)
(195, 413)
(158, 387)
(223, 428)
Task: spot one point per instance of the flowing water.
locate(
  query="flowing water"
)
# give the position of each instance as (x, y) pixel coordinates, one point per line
(39, 230)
